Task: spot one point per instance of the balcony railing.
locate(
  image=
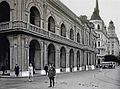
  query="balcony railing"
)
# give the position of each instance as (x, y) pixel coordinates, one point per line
(4, 26)
(20, 25)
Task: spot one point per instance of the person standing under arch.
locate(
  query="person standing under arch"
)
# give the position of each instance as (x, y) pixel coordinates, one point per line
(51, 75)
(16, 70)
(46, 69)
(30, 69)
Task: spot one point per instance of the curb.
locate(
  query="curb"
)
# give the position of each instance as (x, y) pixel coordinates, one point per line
(45, 75)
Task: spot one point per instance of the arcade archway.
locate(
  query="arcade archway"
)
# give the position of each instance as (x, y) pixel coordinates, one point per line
(35, 54)
(62, 59)
(71, 58)
(4, 53)
(51, 54)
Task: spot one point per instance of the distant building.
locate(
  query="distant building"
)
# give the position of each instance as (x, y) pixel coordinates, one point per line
(100, 29)
(113, 40)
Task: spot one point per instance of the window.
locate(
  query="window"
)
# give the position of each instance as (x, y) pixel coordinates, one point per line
(112, 45)
(98, 26)
(35, 16)
(82, 36)
(98, 51)
(87, 41)
(51, 24)
(71, 34)
(63, 30)
(78, 37)
(98, 35)
(98, 44)
(95, 45)
(4, 11)
(112, 51)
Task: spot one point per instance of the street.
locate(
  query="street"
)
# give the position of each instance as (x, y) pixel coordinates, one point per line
(106, 79)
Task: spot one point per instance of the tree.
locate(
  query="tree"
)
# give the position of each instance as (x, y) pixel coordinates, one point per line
(111, 58)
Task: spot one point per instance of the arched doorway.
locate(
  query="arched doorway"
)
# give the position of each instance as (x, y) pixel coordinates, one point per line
(71, 60)
(35, 54)
(78, 60)
(62, 59)
(35, 16)
(4, 12)
(4, 53)
(51, 54)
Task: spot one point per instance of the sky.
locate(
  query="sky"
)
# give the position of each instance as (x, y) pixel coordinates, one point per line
(109, 10)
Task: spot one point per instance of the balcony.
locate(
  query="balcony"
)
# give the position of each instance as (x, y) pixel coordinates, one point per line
(35, 30)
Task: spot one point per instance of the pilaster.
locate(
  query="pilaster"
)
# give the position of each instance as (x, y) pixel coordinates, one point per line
(67, 61)
(57, 57)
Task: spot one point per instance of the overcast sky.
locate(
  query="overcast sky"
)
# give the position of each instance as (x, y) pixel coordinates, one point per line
(109, 10)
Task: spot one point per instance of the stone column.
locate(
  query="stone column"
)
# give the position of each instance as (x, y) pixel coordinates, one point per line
(80, 60)
(75, 60)
(26, 57)
(85, 59)
(24, 53)
(15, 54)
(45, 53)
(12, 61)
(21, 54)
(57, 59)
(44, 56)
(92, 61)
(67, 61)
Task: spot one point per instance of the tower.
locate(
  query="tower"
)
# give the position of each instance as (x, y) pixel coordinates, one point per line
(100, 29)
(113, 40)
(95, 15)
(111, 29)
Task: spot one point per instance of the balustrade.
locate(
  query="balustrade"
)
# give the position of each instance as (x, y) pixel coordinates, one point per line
(49, 35)
(4, 26)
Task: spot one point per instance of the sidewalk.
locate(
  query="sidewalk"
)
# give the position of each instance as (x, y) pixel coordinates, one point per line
(38, 75)
(69, 80)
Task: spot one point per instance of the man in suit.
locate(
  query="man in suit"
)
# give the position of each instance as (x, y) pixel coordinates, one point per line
(51, 75)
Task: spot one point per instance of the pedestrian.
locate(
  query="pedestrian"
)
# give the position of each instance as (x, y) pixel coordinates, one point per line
(33, 68)
(71, 67)
(30, 69)
(3, 69)
(78, 67)
(100, 68)
(16, 70)
(46, 69)
(51, 75)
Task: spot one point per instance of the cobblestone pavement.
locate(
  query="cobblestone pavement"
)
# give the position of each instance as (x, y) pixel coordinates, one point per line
(107, 79)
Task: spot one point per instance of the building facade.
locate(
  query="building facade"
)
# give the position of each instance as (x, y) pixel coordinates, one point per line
(107, 41)
(44, 32)
(103, 38)
(113, 40)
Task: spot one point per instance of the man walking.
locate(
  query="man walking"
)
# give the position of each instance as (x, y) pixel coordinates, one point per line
(30, 69)
(51, 75)
(16, 70)
(46, 69)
